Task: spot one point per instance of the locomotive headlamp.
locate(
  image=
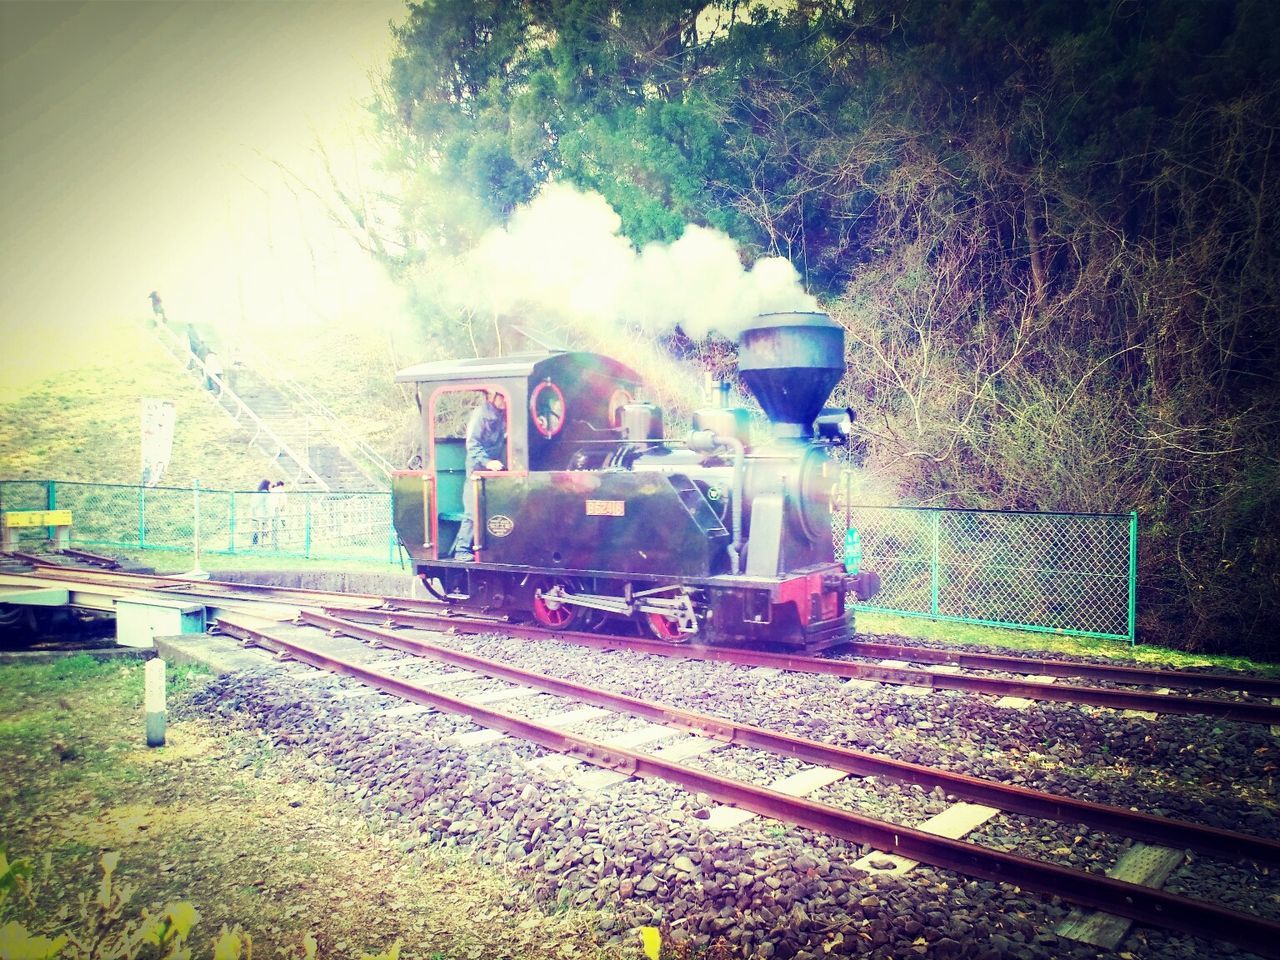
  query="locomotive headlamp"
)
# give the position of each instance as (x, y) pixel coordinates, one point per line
(834, 426)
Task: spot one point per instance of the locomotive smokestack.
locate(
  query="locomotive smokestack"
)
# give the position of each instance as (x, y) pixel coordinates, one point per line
(791, 362)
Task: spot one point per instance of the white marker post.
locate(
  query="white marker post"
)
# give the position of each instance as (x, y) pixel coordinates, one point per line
(195, 573)
(154, 699)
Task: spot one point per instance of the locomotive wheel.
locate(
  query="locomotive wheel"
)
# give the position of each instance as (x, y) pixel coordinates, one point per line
(662, 626)
(551, 613)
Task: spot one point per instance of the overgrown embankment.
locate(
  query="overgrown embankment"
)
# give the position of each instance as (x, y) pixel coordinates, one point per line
(1049, 228)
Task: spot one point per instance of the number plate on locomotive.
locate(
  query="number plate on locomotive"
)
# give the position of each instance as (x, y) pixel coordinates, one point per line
(500, 525)
(606, 508)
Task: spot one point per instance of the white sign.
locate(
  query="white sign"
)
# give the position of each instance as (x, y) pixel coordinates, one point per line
(158, 417)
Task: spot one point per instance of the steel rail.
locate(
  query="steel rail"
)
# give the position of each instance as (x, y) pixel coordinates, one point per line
(1117, 673)
(1244, 712)
(110, 563)
(1266, 686)
(1162, 830)
(216, 589)
(30, 559)
(1262, 686)
(1144, 904)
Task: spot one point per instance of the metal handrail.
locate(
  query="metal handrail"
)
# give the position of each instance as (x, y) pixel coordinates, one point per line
(242, 407)
(347, 438)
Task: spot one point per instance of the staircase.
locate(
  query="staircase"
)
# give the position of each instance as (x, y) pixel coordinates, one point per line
(290, 434)
(303, 441)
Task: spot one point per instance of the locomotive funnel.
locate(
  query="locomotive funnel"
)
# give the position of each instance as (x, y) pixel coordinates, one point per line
(791, 362)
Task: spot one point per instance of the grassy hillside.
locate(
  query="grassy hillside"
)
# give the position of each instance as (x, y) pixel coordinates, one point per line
(80, 420)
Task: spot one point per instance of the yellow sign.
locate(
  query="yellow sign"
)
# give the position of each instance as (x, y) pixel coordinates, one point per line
(36, 518)
(606, 508)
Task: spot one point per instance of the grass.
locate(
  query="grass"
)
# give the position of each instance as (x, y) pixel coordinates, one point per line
(1029, 642)
(78, 418)
(247, 834)
(82, 422)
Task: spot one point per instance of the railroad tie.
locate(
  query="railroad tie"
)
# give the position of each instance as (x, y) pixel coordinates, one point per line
(477, 738)
(647, 734)
(689, 747)
(440, 679)
(953, 823)
(590, 777)
(1145, 714)
(1021, 703)
(222, 655)
(799, 784)
(571, 718)
(1142, 863)
(501, 696)
(910, 689)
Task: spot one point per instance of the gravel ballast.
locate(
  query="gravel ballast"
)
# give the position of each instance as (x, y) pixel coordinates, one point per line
(640, 850)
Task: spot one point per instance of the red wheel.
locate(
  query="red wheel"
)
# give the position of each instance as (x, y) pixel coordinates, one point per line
(552, 612)
(662, 626)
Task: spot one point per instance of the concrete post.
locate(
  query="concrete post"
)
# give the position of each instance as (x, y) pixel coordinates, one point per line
(155, 702)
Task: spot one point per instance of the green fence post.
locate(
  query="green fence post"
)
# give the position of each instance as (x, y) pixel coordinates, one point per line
(51, 498)
(306, 529)
(231, 522)
(142, 518)
(1133, 577)
(933, 568)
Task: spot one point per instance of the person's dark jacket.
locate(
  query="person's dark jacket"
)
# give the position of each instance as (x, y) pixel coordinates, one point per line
(486, 436)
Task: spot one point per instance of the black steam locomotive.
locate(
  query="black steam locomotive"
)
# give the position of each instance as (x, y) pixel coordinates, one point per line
(597, 515)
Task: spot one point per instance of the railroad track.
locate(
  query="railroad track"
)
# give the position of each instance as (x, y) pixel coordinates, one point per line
(1252, 706)
(1137, 902)
(207, 589)
(392, 623)
(409, 613)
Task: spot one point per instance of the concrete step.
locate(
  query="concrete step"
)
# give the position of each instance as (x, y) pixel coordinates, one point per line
(296, 430)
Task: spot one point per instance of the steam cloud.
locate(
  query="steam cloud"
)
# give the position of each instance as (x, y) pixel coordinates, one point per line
(562, 256)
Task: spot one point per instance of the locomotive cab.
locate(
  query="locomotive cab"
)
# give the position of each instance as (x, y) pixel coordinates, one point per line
(554, 403)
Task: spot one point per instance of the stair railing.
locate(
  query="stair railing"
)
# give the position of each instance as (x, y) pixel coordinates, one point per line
(352, 445)
(183, 350)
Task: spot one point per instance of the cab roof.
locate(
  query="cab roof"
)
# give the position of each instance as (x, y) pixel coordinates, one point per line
(517, 366)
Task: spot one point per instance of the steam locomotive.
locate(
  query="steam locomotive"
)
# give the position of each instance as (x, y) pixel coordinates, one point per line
(597, 515)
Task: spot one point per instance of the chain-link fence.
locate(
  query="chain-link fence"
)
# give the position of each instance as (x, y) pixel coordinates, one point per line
(1051, 572)
(314, 525)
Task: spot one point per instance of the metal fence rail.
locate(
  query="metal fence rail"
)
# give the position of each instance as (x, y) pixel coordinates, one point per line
(1063, 573)
(311, 524)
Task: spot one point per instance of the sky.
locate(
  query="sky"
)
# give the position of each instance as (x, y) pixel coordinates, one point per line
(140, 150)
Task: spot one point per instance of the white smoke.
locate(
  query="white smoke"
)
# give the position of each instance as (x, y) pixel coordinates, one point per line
(563, 256)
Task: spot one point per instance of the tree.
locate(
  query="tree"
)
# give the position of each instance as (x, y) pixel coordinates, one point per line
(1048, 227)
